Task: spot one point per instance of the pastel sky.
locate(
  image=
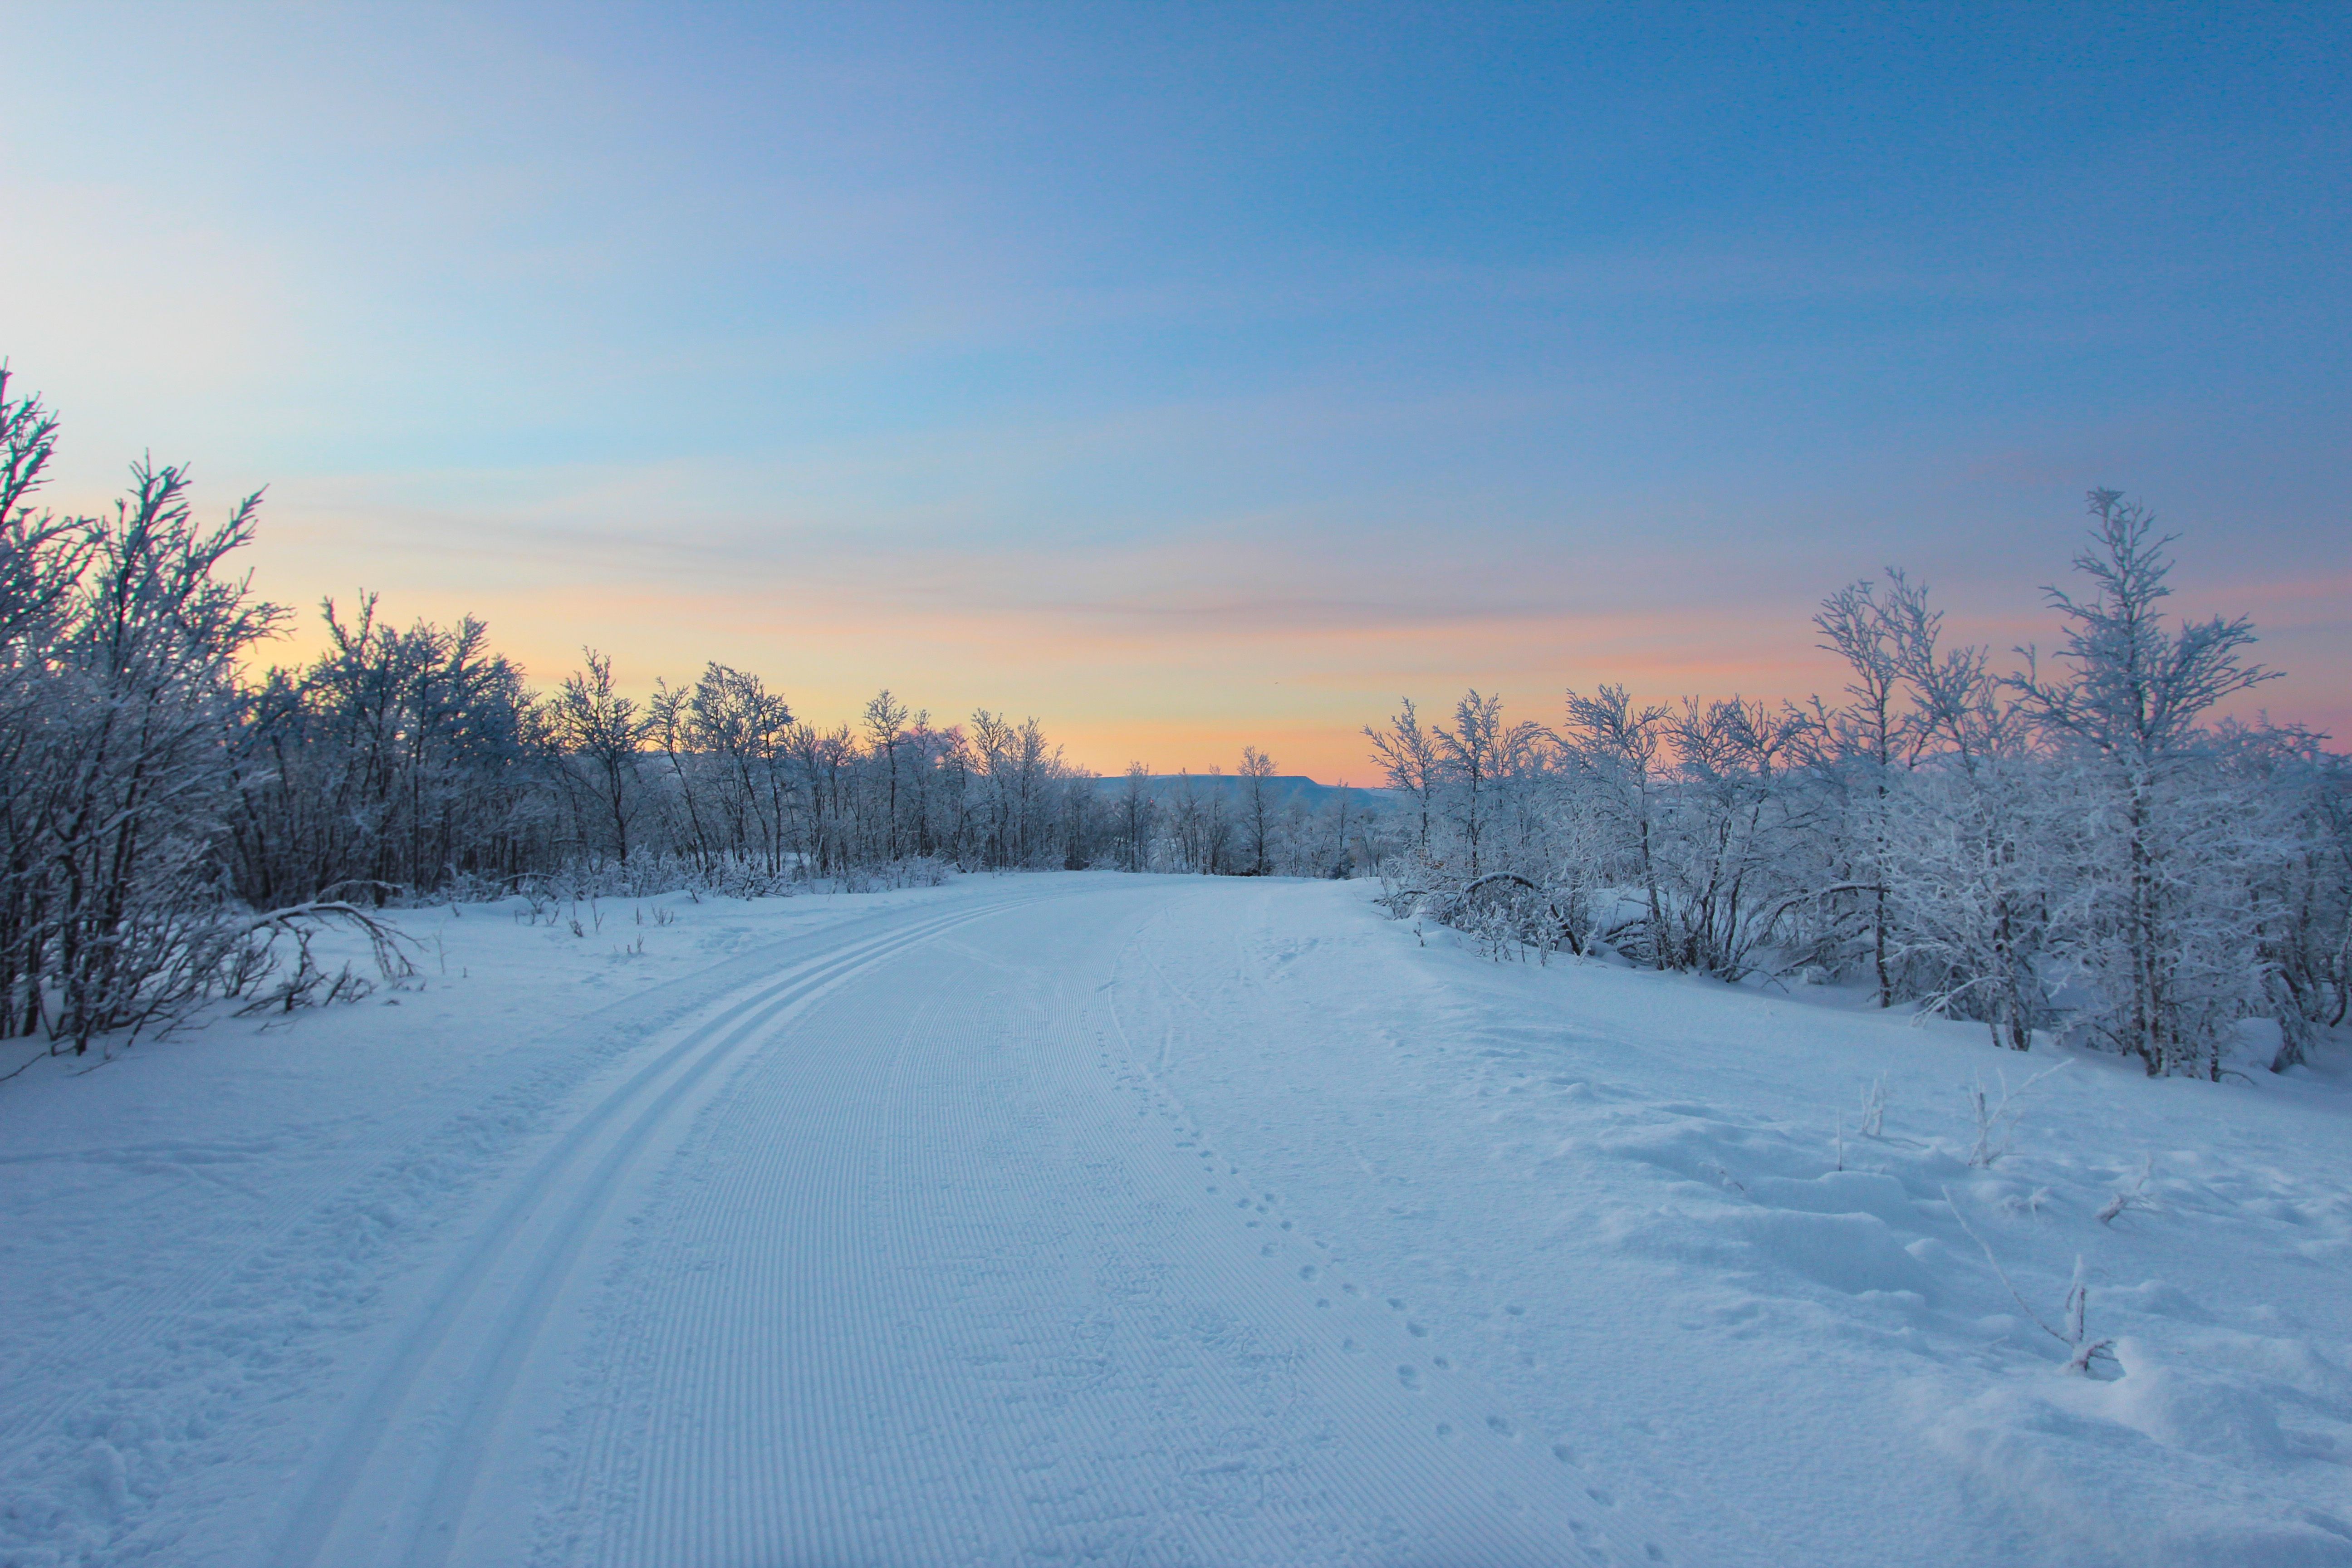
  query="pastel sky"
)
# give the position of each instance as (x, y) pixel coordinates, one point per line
(1189, 376)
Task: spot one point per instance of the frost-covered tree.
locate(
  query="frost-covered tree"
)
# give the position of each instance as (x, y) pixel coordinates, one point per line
(1858, 748)
(2170, 957)
(42, 557)
(2300, 800)
(138, 782)
(1475, 758)
(1616, 750)
(1340, 822)
(742, 730)
(596, 739)
(1409, 755)
(1138, 816)
(885, 730)
(1975, 868)
(1258, 817)
(1725, 846)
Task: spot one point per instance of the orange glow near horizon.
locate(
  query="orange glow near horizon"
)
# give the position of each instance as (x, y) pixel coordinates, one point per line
(1116, 685)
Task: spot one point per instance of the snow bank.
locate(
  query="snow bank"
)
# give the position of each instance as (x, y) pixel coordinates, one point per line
(1626, 1186)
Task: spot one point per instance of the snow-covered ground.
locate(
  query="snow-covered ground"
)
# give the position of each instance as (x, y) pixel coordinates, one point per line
(1119, 1219)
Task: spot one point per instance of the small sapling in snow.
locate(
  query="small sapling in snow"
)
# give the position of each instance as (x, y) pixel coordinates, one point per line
(2078, 1306)
(1874, 1109)
(2132, 1197)
(2075, 1336)
(1996, 1121)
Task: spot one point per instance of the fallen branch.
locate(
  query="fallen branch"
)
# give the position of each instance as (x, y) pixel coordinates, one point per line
(388, 942)
(308, 985)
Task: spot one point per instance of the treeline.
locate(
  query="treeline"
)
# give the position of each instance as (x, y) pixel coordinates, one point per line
(411, 763)
(417, 762)
(169, 816)
(2069, 847)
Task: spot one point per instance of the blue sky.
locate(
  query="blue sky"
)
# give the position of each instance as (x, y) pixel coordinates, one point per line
(1193, 374)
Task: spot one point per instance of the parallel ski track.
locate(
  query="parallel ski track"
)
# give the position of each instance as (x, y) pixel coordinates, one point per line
(579, 1172)
(852, 1172)
(873, 1210)
(197, 1286)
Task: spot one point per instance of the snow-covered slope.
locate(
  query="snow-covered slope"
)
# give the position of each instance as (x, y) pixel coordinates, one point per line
(1137, 1220)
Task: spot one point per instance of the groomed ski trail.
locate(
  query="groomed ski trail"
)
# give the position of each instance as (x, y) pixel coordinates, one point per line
(442, 1385)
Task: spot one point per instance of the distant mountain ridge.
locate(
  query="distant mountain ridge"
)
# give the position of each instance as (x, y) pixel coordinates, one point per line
(1284, 787)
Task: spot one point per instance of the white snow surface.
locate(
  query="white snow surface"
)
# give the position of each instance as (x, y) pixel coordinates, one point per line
(1096, 1218)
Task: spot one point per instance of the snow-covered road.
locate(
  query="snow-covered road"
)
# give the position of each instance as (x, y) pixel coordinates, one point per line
(1129, 1220)
(906, 1255)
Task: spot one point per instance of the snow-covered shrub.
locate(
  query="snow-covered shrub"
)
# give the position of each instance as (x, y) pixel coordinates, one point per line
(2066, 850)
